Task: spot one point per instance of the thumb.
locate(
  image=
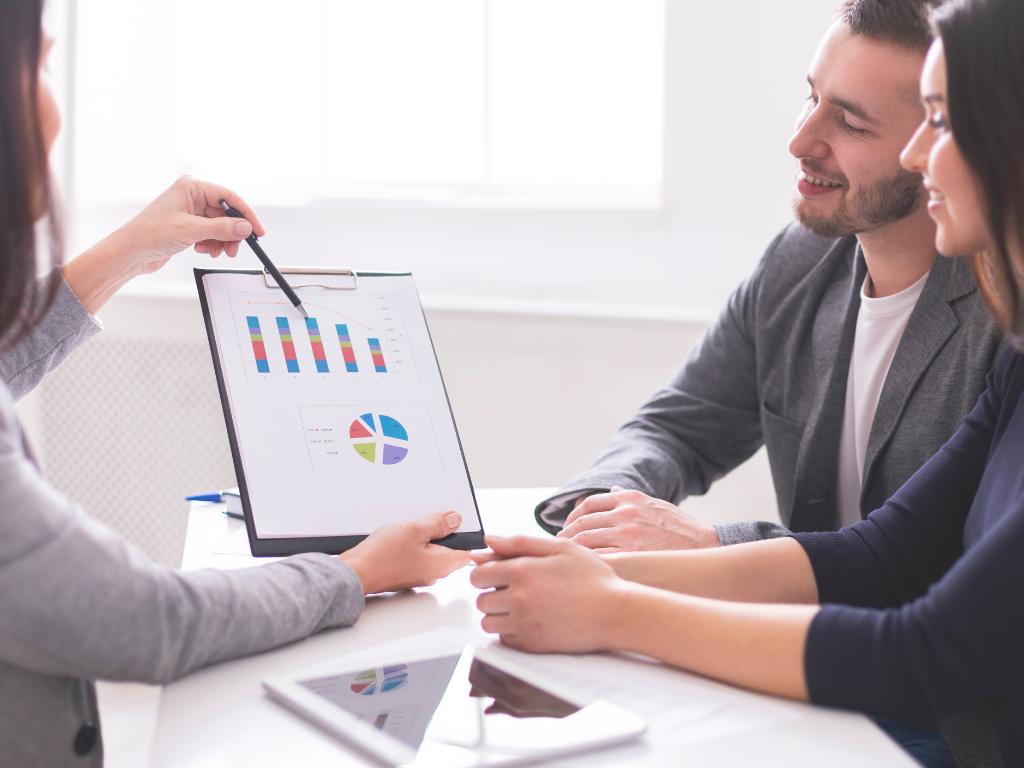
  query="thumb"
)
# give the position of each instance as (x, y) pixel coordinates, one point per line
(525, 546)
(439, 525)
(226, 229)
(617, 488)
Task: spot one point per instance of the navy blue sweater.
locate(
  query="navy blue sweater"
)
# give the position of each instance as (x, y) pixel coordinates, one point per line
(925, 613)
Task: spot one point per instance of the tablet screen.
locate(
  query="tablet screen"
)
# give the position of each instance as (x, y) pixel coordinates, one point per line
(458, 709)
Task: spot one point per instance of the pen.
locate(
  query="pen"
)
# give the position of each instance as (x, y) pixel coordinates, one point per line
(265, 260)
(214, 496)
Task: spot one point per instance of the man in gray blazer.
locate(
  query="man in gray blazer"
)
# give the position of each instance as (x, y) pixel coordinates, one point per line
(851, 353)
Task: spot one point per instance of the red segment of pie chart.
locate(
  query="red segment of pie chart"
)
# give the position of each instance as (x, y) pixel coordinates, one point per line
(358, 430)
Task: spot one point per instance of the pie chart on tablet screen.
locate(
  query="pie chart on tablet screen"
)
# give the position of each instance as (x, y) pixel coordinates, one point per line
(379, 438)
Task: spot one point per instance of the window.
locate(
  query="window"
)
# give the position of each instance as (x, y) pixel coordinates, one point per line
(505, 103)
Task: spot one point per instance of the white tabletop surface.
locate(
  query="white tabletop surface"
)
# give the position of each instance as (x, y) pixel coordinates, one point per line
(220, 717)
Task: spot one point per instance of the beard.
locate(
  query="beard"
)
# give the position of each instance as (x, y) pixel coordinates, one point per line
(873, 206)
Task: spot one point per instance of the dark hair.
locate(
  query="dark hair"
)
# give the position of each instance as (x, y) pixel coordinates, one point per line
(982, 40)
(25, 188)
(901, 22)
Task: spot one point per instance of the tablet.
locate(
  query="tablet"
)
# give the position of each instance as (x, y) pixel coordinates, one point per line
(474, 707)
(338, 421)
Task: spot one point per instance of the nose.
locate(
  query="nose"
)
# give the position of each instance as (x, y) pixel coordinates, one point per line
(914, 156)
(809, 141)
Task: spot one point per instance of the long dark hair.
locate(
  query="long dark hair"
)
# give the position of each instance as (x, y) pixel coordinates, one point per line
(984, 47)
(25, 187)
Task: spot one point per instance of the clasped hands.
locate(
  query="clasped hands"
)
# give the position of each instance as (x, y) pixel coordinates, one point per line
(560, 594)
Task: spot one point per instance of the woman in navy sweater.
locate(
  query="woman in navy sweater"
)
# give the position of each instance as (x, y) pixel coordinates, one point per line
(915, 614)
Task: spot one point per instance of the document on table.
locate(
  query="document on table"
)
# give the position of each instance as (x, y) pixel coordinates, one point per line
(339, 422)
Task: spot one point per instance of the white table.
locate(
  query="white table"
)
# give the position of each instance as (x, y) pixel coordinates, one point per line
(219, 717)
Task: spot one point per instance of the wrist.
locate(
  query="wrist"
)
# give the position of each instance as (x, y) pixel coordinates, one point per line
(710, 540)
(99, 272)
(361, 569)
(616, 612)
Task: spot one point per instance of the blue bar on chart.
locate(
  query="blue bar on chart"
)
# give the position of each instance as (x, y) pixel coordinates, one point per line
(258, 347)
(287, 345)
(347, 353)
(378, 356)
(317, 344)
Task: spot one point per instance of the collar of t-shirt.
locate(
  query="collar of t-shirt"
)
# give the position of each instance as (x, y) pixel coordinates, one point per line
(880, 326)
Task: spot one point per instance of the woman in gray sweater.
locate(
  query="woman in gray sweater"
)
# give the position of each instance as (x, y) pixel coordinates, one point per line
(77, 602)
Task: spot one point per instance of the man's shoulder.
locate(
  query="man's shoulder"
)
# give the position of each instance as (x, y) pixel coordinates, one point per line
(795, 249)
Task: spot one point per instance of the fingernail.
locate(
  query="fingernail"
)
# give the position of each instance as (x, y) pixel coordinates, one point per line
(453, 519)
(242, 228)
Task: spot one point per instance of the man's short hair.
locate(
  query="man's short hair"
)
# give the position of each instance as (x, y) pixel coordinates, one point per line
(902, 22)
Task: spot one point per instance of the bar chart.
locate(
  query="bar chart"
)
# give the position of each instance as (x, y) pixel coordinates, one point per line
(367, 341)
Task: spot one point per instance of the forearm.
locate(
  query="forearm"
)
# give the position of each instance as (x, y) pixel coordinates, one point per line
(774, 571)
(759, 647)
(96, 275)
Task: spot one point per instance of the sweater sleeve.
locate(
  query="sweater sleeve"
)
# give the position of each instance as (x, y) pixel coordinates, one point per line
(64, 327)
(952, 630)
(78, 600)
(957, 645)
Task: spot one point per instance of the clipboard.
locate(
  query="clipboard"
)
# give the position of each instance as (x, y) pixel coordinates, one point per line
(338, 423)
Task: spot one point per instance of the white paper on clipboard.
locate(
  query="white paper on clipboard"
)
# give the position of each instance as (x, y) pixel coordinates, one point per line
(341, 421)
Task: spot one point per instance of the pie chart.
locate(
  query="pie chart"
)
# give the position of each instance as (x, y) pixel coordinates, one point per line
(379, 439)
(384, 680)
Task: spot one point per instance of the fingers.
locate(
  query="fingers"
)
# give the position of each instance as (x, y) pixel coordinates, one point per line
(214, 193)
(590, 522)
(600, 538)
(599, 502)
(224, 229)
(438, 525)
(524, 546)
(498, 625)
(497, 601)
(481, 556)
(450, 559)
(498, 574)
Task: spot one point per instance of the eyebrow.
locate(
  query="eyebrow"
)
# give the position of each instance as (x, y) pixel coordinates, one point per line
(852, 107)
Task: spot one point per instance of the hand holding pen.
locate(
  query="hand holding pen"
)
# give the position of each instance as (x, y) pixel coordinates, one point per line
(265, 260)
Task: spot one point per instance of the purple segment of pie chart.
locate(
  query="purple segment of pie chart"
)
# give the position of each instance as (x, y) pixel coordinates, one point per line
(394, 454)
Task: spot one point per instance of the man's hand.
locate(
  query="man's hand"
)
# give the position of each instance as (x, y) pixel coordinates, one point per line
(631, 521)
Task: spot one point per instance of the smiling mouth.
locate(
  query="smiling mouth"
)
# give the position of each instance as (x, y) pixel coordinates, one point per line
(818, 182)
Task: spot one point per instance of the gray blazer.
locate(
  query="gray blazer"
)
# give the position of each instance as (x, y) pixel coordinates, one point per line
(78, 603)
(772, 370)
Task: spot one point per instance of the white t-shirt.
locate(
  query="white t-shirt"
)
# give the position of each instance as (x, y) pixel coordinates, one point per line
(880, 325)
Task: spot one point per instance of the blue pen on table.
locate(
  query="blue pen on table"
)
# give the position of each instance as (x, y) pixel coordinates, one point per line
(214, 496)
(217, 497)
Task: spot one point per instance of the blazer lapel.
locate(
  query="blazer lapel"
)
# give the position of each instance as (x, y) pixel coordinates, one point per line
(814, 505)
(931, 325)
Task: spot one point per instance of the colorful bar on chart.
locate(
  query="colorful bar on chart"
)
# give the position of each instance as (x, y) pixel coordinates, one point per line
(256, 337)
(317, 344)
(288, 345)
(378, 356)
(347, 353)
